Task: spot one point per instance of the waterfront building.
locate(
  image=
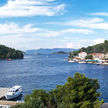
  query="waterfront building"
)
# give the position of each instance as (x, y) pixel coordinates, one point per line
(98, 55)
(106, 56)
(82, 55)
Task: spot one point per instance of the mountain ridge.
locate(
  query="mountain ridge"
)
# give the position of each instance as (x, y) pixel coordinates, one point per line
(49, 51)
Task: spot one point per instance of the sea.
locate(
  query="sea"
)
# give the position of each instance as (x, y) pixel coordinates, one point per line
(48, 71)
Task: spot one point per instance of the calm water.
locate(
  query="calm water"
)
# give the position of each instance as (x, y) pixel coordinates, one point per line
(46, 71)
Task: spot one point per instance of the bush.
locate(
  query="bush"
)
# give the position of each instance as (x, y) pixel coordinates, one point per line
(89, 57)
(78, 92)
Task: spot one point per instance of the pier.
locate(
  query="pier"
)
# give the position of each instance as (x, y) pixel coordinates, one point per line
(3, 91)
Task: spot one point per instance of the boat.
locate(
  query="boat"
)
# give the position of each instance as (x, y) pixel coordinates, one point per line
(13, 92)
(9, 59)
(71, 61)
(81, 62)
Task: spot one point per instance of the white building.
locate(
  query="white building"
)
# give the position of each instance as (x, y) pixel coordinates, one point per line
(106, 56)
(82, 55)
(98, 56)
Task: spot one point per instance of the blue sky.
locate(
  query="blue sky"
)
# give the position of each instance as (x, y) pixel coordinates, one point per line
(33, 24)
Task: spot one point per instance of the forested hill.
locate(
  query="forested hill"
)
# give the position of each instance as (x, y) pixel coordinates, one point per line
(98, 48)
(9, 53)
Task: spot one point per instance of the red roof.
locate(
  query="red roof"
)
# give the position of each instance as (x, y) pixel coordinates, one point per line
(97, 54)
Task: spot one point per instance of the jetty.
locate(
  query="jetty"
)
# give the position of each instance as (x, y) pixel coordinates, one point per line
(3, 91)
(105, 105)
(4, 102)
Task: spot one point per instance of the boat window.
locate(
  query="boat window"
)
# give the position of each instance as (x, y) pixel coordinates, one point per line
(16, 90)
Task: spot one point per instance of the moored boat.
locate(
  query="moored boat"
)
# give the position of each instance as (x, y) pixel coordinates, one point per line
(81, 62)
(71, 61)
(13, 92)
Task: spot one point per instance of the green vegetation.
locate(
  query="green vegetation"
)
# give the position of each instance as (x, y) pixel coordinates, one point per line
(60, 52)
(89, 57)
(78, 92)
(6, 53)
(99, 48)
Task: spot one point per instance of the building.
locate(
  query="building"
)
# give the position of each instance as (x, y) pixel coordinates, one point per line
(98, 55)
(106, 56)
(82, 55)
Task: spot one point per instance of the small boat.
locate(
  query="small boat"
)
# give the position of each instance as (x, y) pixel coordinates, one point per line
(81, 62)
(71, 61)
(9, 59)
(13, 92)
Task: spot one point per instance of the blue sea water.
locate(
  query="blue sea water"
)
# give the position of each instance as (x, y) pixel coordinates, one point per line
(47, 71)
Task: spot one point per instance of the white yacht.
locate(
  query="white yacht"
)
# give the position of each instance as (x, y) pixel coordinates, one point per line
(81, 62)
(13, 92)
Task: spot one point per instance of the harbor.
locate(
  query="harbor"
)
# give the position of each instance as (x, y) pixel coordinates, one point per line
(92, 58)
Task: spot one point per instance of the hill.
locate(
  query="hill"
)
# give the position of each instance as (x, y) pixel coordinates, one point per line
(61, 52)
(98, 48)
(6, 53)
(49, 51)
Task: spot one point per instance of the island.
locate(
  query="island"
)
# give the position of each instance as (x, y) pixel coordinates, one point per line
(10, 53)
(61, 52)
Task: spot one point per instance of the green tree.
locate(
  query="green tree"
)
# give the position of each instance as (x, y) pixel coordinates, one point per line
(89, 57)
(6, 52)
(78, 92)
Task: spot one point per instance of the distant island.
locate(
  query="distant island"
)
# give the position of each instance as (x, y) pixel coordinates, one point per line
(50, 51)
(61, 52)
(10, 53)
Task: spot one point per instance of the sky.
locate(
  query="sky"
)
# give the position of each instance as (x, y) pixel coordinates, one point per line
(33, 24)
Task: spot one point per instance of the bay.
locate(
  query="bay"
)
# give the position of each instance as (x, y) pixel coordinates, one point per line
(47, 71)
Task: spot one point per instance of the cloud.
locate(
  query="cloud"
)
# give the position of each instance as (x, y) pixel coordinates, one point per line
(23, 8)
(99, 14)
(83, 31)
(73, 45)
(97, 41)
(14, 28)
(29, 36)
(91, 23)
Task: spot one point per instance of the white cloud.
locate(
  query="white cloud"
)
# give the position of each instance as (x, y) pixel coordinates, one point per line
(83, 31)
(99, 14)
(97, 41)
(93, 23)
(13, 28)
(22, 8)
(27, 36)
(73, 45)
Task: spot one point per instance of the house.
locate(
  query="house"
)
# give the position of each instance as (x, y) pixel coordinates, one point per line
(98, 55)
(106, 56)
(82, 55)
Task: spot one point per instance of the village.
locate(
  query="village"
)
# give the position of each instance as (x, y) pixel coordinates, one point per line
(93, 58)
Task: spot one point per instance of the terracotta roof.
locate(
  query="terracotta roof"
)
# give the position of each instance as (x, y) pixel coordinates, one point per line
(97, 54)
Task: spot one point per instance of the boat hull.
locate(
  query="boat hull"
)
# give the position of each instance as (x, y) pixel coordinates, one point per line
(9, 97)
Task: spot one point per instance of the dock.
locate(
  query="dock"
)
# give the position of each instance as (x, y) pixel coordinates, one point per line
(3, 91)
(8, 103)
(105, 105)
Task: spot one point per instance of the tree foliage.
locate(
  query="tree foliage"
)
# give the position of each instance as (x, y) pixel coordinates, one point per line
(89, 57)
(78, 92)
(6, 52)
